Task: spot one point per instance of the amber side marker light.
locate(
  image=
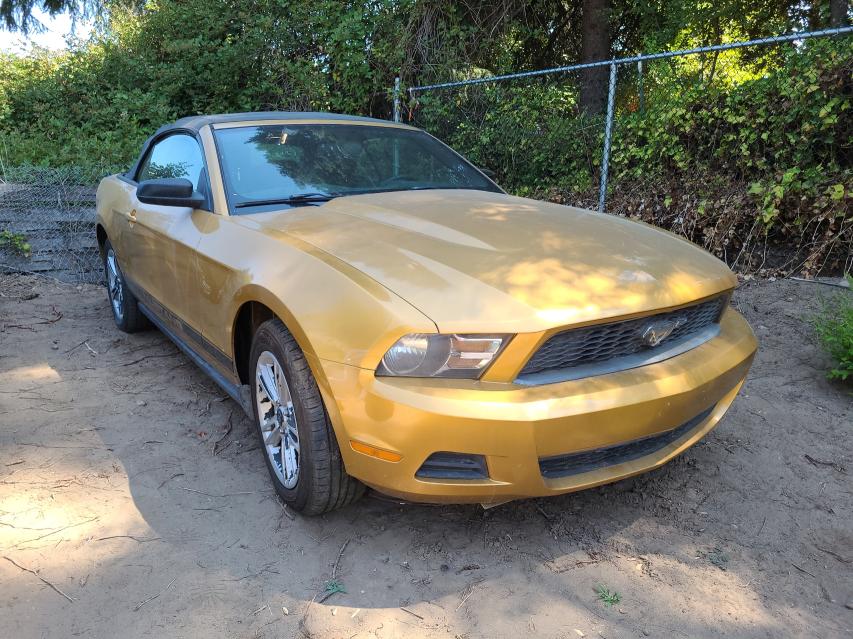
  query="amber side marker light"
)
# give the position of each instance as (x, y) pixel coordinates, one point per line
(372, 451)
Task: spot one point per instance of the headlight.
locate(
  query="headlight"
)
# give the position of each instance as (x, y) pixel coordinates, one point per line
(430, 355)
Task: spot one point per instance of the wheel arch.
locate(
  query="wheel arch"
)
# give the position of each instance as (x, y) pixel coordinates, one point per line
(102, 237)
(256, 306)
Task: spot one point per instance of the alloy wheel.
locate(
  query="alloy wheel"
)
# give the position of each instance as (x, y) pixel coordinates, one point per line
(277, 419)
(115, 286)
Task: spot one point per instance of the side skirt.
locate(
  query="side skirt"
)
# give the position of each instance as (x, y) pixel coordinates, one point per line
(238, 392)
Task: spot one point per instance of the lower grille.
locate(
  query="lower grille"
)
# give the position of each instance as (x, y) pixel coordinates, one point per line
(453, 466)
(603, 348)
(588, 460)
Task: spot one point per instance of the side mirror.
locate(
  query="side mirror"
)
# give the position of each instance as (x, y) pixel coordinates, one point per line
(488, 173)
(169, 192)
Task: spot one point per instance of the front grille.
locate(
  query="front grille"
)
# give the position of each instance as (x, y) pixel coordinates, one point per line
(584, 462)
(603, 342)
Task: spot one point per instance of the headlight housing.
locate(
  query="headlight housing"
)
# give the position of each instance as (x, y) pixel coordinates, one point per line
(435, 355)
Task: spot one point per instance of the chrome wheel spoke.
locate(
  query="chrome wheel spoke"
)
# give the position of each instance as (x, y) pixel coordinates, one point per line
(281, 386)
(277, 419)
(273, 438)
(115, 290)
(267, 380)
(291, 465)
(293, 437)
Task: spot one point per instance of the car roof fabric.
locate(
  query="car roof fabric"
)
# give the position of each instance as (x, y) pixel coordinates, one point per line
(196, 122)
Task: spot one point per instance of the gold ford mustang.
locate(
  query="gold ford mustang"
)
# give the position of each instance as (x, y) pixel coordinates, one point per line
(389, 317)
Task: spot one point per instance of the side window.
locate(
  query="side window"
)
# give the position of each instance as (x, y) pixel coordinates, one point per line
(177, 156)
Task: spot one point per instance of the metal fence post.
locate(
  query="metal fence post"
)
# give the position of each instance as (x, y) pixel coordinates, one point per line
(608, 133)
(397, 99)
(640, 86)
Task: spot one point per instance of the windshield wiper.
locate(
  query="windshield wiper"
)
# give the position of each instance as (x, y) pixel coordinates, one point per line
(298, 198)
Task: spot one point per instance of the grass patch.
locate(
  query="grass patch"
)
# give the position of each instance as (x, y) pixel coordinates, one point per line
(606, 596)
(834, 326)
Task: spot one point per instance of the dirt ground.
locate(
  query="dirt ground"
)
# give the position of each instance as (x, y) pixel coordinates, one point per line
(134, 503)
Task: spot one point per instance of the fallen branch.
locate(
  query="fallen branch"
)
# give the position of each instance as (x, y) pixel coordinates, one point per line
(153, 597)
(75, 347)
(227, 432)
(338, 560)
(803, 570)
(136, 539)
(165, 481)
(193, 490)
(284, 511)
(834, 554)
(53, 532)
(802, 279)
(42, 579)
(31, 324)
(820, 462)
(142, 359)
(469, 590)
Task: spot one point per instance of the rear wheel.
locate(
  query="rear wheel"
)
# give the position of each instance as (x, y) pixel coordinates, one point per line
(299, 445)
(123, 303)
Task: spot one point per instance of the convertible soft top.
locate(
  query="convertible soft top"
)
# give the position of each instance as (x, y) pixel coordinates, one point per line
(196, 122)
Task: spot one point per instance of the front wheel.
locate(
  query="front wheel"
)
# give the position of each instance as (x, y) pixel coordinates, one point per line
(299, 445)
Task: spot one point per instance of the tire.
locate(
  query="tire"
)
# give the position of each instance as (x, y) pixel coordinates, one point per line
(123, 303)
(296, 425)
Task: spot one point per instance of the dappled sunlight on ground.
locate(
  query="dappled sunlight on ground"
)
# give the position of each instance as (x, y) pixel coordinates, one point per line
(38, 372)
(138, 492)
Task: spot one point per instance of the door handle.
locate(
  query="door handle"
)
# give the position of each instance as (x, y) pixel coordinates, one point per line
(131, 217)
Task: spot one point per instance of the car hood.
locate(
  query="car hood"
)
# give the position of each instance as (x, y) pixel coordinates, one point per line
(474, 261)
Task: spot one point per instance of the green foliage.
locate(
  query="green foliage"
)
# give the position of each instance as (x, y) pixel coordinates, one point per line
(17, 242)
(753, 152)
(17, 15)
(749, 143)
(334, 586)
(96, 104)
(786, 131)
(606, 596)
(718, 558)
(834, 327)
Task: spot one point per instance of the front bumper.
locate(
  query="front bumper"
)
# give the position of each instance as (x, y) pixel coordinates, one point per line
(515, 427)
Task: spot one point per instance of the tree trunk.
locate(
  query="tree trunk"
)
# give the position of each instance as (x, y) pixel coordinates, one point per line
(595, 46)
(838, 12)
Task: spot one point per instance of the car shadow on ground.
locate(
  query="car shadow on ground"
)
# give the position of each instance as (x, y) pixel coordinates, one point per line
(173, 526)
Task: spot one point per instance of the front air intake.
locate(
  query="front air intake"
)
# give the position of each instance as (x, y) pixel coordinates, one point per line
(589, 460)
(453, 466)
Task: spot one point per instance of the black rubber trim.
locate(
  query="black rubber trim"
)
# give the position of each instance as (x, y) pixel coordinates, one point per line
(453, 466)
(589, 460)
(229, 387)
(177, 327)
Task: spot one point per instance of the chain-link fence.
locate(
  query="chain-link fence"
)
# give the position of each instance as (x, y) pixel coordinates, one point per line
(581, 135)
(47, 222)
(532, 129)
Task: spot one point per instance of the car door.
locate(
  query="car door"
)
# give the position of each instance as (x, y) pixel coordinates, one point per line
(161, 240)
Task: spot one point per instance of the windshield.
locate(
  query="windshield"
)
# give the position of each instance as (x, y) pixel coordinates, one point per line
(270, 163)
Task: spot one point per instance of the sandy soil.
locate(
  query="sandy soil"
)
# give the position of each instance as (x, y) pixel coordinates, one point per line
(136, 495)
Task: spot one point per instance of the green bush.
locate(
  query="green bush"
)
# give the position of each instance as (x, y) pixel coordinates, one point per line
(754, 165)
(834, 327)
(751, 160)
(16, 241)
